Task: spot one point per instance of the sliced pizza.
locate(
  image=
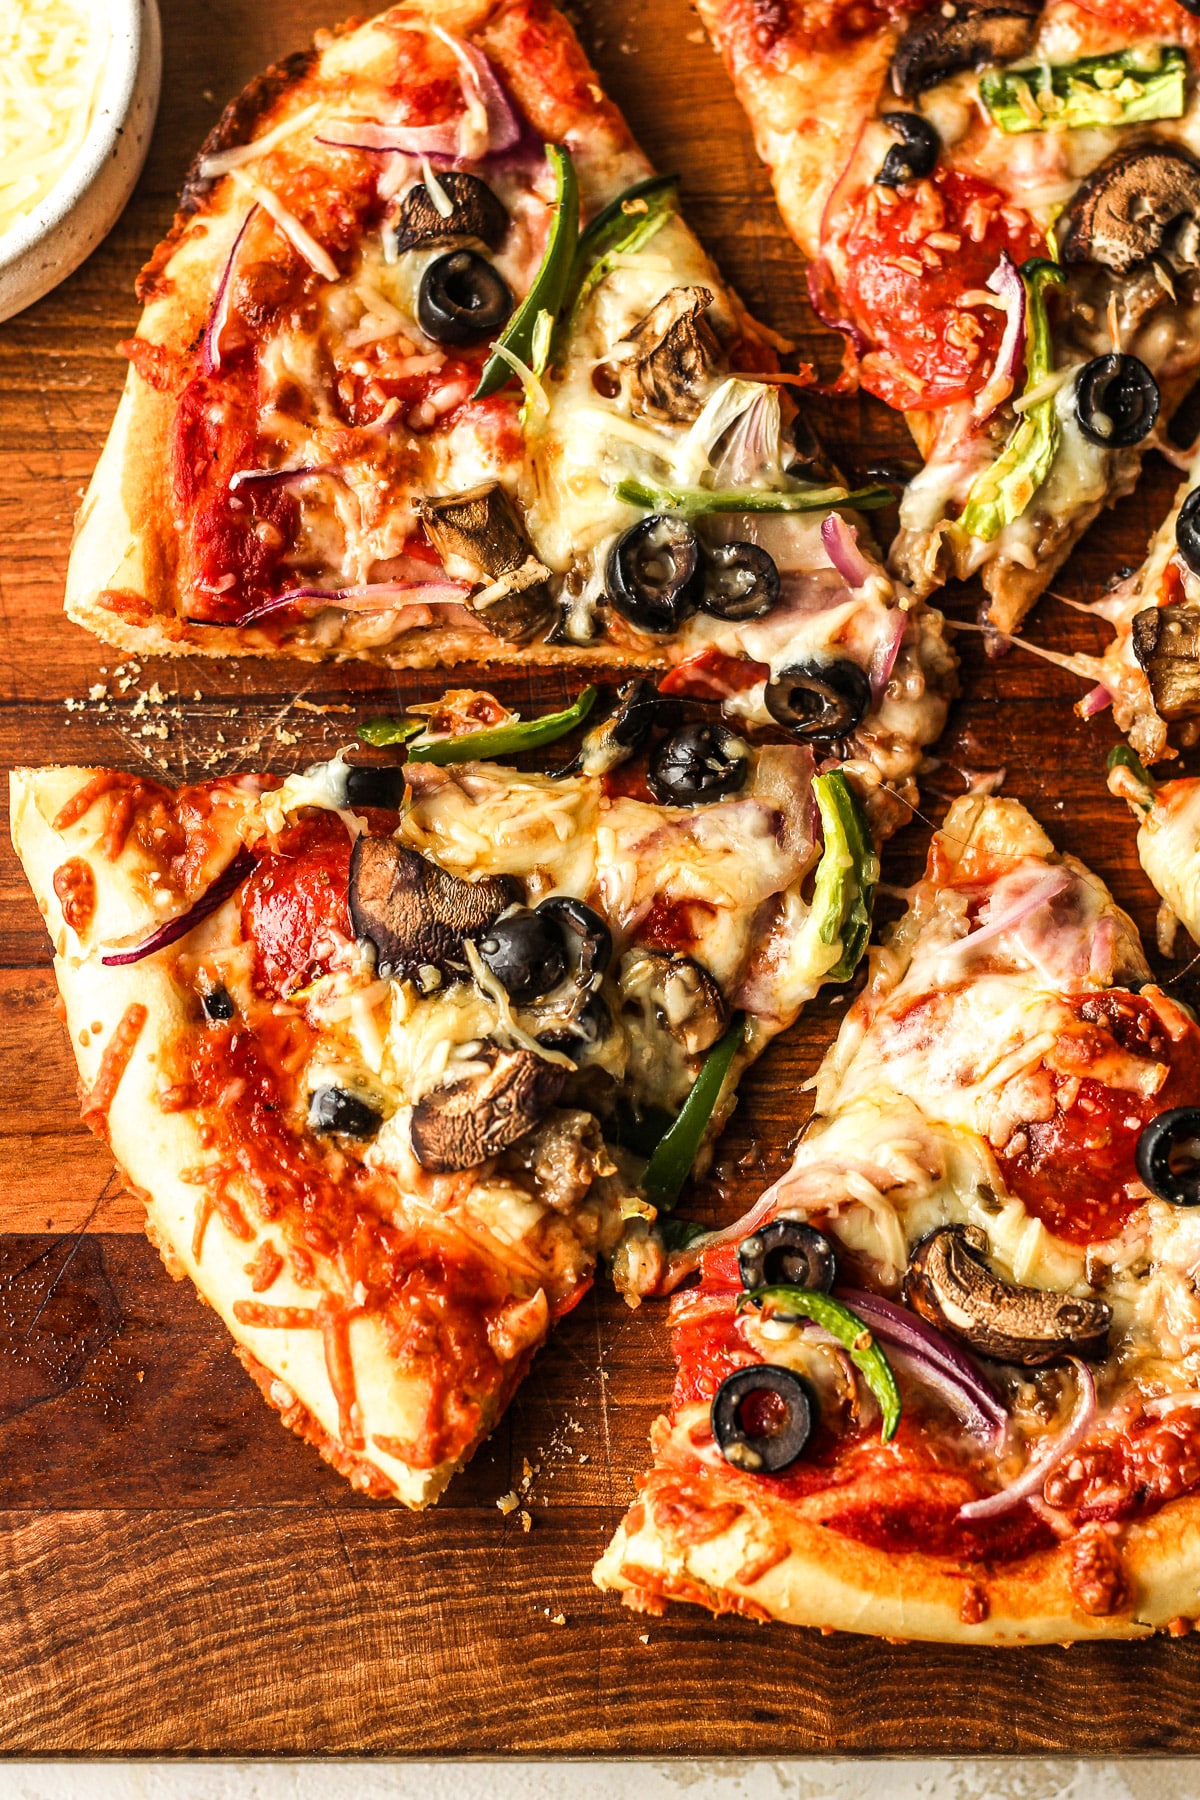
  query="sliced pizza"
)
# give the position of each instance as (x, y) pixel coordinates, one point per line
(388, 400)
(943, 1381)
(394, 1054)
(1001, 204)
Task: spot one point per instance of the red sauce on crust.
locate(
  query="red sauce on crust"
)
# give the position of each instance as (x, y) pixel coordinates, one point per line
(295, 906)
(75, 886)
(113, 1063)
(675, 925)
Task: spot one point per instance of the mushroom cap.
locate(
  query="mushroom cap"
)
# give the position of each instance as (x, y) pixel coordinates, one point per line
(414, 913)
(479, 538)
(476, 214)
(949, 1284)
(1166, 642)
(680, 995)
(963, 34)
(464, 1123)
(673, 355)
(1125, 209)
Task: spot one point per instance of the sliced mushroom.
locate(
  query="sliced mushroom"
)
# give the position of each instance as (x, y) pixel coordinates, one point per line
(675, 994)
(673, 356)
(1166, 641)
(460, 1125)
(414, 913)
(962, 34)
(479, 538)
(476, 214)
(949, 1284)
(1138, 203)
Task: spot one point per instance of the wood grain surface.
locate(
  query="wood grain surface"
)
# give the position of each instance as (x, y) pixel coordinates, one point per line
(177, 1575)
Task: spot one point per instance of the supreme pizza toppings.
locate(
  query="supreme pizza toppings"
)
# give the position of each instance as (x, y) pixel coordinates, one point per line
(787, 1252)
(961, 34)
(915, 155)
(949, 1283)
(819, 701)
(698, 764)
(1141, 202)
(1166, 643)
(462, 299)
(741, 581)
(337, 1112)
(1187, 531)
(464, 1123)
(672, 357)
(479, 537)
(655, 573)
(414, 913)
(466, 208)
(525, 952)
(762, 1417)
(1116, 401)
(1168, 1156)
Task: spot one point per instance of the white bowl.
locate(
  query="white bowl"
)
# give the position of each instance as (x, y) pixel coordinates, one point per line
(81, 209)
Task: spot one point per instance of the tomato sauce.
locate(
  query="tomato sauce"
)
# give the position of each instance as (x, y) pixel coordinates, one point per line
(713, 675)
(295, 906)
(906, 267)
(1073, 1170)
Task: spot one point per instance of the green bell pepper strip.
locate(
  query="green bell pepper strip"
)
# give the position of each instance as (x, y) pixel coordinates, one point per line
(671, 1163)
(623, 227)
(695, 502)
(1122, 757)
(847, 874)
(524, 336)
(1119, 89)
(788, 1302)
(472, 746)
(1002, 492)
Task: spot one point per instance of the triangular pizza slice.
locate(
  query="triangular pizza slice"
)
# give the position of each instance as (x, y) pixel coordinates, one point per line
(1000, 201)
(943, 1381)
(395, 1055)
(431, 370)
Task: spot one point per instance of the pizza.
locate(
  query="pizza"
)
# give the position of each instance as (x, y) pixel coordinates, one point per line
(395, 1053)
(942, 1381)
(431, 370)
(1000, 203)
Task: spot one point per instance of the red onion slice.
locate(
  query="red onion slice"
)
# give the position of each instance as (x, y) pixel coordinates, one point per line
(503, 125)
(226, 883)
(939, 1362)
(841, 547)
(277, 477)
(392, 140)
(883, 657)
(1094, 702)
(1005, 280)
(1043, 891)
(218, 318)
(993, 1506)
(376, 596)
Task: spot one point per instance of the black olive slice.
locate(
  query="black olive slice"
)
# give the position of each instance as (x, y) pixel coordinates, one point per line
(819, 701)
(332, 1111)
(1168, 1156)
(475, 213)
(655, 573)
(586, 933)
(377, 784)
(524, 951)
(1187, 531)
(786, 1251)
(218, 1006)
(591, 1025)
(740, 582)
(697, 764)
(462, 299)
(762, 1418)
(1116, 401)
(915, 155)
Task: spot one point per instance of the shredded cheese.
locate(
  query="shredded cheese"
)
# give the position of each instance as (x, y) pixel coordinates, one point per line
(301, 240)
(52, 59)
(240, 154)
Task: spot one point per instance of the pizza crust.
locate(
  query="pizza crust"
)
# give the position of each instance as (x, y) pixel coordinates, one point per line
(821, 1578)
(159, 1151)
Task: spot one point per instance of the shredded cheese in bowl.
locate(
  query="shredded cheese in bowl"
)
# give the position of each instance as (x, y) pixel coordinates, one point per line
(52, 61)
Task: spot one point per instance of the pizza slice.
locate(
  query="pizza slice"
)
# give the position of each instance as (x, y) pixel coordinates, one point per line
(395, 1053)
(943, 1381)
(1000, 202)
(389, 400)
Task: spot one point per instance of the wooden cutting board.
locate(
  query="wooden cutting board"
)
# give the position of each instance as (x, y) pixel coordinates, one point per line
(177, 1574)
